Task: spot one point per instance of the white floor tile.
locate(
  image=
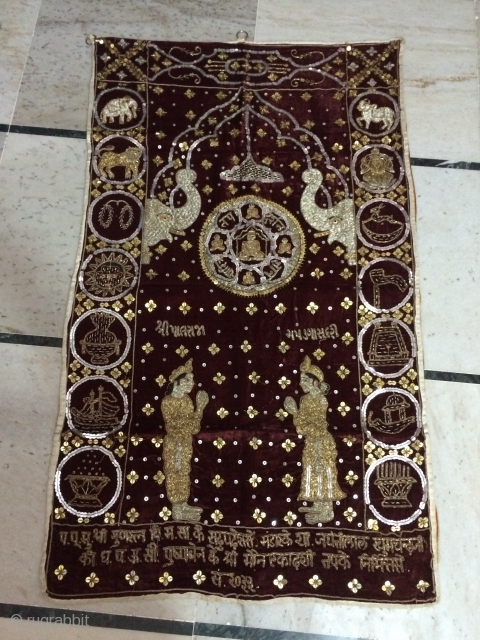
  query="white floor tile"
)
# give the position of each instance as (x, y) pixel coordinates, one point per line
(440, 59)
(54, 91)
(42, 183)
(448, 266)
(17, 18)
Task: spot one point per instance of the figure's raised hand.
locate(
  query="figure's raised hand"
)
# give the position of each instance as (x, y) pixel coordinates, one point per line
(202, 399)
(290, 405)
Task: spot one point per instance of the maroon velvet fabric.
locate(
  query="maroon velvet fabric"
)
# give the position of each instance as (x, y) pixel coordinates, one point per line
(144, 307)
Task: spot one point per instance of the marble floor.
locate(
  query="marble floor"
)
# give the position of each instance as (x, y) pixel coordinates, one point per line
(44, 79)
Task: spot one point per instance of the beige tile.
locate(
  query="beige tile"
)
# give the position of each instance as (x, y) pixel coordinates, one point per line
(54, 91)
(42, 630)
(440, 59)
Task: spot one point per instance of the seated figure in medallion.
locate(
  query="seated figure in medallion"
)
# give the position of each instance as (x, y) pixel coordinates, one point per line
(251, 249)
(319, 472)
(182, 421)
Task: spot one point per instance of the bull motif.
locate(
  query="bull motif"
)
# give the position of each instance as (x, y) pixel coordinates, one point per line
(371, 113)
(129, 159)
(121, 108)
(338, 222)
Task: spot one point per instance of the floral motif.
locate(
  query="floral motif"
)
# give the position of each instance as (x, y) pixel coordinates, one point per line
(59, 513)
(199, 577)
(222, 413)
(109, 518)
(148, 409)
(280, 581)
(312, 307)
(318, 354)
(343, 408)
(343, 372)
(219, 307)
(254, 377)
(316, 273)
(354, 585)
(148, 348)
(217, 516)
(132, 578)
(159, 477)
(132, 477)
(60, 572)
(251, 412)
(372, 524)
(255, 480)
(350, 514)
(281, 414)
(165, 579)
(213, 349)
(218, 481)
(288, 445)
(150, 306)
(315, 581)
(290, 517)
(422, 585)
(287, 480)
(92, 580)
(255, 443)
(251, 309)
(165, 513)
(161, 380)
(184, 308)
(245, 346)
(280, 308)
(423, 523)
(182, 351)
(388, 587)
(132, 514)
(283, 347)
(219, 378)
(259, 515)
(347, 338)
(284, 382)
(157, 442)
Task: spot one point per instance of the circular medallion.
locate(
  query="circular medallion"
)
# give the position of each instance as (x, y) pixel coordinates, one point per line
(108, 274)
(250, 246)
(386, 347)
(119, 159)
(391, 418)
(100, 339)
(96, 407)
(115, 216)
(377, 168)
(119, 109)
(385, 284)
(382, 224)
(374, 113)
(88, 481)
(395, 490)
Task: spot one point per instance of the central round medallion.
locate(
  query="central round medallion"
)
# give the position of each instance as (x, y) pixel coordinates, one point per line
(251, 246)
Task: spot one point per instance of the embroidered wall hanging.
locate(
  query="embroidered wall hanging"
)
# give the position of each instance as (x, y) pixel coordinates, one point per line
(243, 414)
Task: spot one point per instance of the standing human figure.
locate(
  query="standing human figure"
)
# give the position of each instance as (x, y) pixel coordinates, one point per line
(182, 421)
(319, 471)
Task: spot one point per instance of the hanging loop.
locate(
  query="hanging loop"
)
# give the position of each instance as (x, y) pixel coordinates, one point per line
(242, 36)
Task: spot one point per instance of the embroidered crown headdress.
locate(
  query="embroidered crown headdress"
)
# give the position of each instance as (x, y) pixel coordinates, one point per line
(311, 369)
(184, 368)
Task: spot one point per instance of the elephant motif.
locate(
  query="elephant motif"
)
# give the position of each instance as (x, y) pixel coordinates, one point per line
(163, 222)
(121, 108)
(130, 159)
(338, 222)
